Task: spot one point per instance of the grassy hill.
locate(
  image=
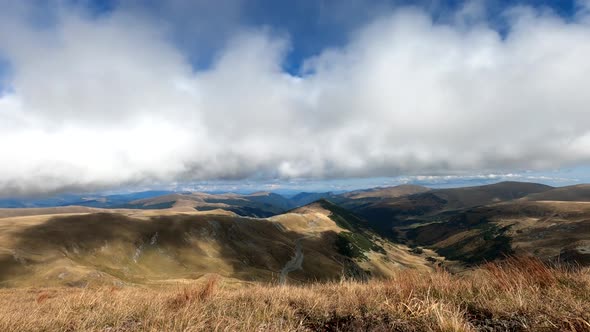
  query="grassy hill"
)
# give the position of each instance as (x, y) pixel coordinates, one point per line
(478, 224)
(155, 246)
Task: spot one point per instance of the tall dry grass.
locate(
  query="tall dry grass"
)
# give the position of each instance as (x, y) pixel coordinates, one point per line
(517, 295)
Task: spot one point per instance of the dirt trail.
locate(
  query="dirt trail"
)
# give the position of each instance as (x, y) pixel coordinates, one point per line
(295, 262)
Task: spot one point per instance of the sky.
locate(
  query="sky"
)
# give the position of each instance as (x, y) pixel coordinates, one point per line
(291, 95)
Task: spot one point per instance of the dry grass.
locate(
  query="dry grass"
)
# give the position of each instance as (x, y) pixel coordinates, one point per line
(520, 294)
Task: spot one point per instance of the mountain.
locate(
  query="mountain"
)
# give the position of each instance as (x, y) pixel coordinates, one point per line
(550, 230)
(260, 204)
(386, 192)
(305, 198)
(98, 201)
(457, 198)
(482, 223)
(265, 237)
(577, 193)
(387, 212)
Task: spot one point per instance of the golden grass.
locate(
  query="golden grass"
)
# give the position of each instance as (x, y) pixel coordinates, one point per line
(517, 295)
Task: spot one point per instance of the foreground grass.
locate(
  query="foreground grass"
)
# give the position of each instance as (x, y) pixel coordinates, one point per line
(520, 294)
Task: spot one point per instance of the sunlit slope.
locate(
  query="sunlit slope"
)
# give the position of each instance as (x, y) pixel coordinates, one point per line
(130, 246)
(354, 238)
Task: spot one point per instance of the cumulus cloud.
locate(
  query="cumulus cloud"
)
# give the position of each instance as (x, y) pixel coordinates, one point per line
(97, 102)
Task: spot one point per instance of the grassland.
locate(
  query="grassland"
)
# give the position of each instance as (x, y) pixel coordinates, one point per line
(114, 247)
(516, 295)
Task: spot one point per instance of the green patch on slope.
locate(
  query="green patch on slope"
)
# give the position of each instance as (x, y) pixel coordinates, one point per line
(342, 217)
(355, 243)
(479, 239)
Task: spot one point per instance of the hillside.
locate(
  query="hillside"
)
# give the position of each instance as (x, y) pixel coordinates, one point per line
(386, 213)
(557, 231)
(477, 224)
(437, 200)
(159, 246)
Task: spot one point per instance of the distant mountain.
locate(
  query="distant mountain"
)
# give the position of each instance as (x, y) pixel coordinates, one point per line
(99, 201)
(264, 204)
(120, 201)
(29, 202)
(305, 198)
(260, 204)
(457, 198)
(271, 200)
(577, 193)
(438, 200)
(386, 192)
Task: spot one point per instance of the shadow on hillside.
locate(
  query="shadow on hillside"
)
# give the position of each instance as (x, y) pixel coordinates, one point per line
(244, 243)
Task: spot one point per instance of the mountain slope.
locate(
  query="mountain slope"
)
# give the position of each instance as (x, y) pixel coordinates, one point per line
(158, 246)
(548, 230)
(386, 213)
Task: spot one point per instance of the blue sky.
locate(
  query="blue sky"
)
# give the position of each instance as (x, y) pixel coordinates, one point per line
(302, 95)
(311, 25)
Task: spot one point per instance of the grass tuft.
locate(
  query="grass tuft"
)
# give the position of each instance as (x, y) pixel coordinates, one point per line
(518, 294)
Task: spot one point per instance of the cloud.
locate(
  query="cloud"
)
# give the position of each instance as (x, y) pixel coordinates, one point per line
(97, 102)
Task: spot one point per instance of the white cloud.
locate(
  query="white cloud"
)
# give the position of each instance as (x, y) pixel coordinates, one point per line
(99, 102)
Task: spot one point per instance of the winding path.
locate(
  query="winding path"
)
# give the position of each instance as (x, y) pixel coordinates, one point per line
(295, 262)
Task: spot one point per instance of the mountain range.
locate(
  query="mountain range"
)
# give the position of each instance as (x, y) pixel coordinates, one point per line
(161, 237)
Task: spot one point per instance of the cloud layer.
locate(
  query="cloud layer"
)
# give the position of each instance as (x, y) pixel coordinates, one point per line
(96, 102)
